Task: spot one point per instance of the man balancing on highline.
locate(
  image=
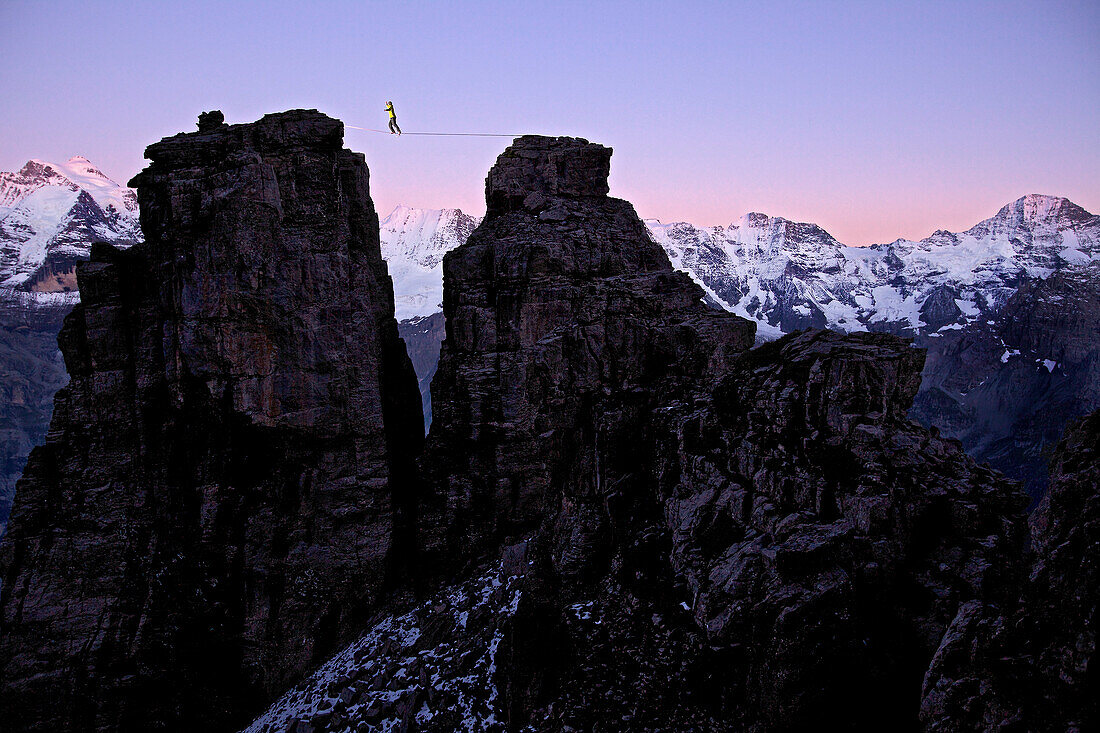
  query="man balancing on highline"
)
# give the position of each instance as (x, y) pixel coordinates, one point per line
(394, 129)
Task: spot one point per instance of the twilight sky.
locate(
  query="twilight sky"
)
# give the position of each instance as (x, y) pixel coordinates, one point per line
(876, 120)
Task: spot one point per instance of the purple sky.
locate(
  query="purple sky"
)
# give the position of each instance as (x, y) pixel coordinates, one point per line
(873, 119)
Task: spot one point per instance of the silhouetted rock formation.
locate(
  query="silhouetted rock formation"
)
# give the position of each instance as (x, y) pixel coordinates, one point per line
(626, 518)
(209, 121)
(565, 325)
(221, 493)
(771, 514)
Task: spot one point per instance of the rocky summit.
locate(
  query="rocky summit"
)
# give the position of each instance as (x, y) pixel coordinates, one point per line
(564, 324)
(218, 502)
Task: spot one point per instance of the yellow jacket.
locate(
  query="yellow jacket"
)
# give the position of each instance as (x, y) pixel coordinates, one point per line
(389, 108)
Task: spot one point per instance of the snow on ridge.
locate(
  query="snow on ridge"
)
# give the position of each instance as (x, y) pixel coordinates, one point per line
(77, 173)
(37, 220)
(413, 244)
(435, 662)
(793, 275)
(105, 191)
(788, 275)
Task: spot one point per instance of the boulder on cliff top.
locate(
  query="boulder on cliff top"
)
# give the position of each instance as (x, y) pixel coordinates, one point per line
(535, 168)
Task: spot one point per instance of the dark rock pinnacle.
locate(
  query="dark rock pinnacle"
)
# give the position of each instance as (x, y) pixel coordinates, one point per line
(209, 121)
(221, 496)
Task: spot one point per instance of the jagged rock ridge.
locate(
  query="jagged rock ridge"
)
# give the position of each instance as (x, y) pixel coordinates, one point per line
(220, 497)
(619, 496)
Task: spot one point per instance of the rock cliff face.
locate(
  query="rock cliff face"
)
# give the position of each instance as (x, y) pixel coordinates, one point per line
(220, 498)
(1032, 663)
(1063, 595)
(565, 322)
(691, 534)
(31, 371)
(1007, 387)
(826, 540)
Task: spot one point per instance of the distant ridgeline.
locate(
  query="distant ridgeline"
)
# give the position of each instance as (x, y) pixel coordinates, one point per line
(625, 515)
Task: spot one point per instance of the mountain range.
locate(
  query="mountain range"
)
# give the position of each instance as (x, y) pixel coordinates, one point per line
(790, 276)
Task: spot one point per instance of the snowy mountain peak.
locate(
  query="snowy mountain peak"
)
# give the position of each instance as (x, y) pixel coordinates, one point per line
(1039, 209)
(756, 220)
(80, 166)
(76, 174)
(413, 244)
(50, 214)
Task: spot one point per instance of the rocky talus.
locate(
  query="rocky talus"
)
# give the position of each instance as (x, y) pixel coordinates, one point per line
(670, 530)
(220, 498)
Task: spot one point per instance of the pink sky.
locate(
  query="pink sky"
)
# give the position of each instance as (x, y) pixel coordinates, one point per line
(876, 120)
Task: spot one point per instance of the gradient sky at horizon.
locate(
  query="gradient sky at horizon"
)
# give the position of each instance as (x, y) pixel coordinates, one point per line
(876, 120)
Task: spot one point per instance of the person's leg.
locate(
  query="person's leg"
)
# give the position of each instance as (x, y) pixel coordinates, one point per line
(397, 125)
(393, 123)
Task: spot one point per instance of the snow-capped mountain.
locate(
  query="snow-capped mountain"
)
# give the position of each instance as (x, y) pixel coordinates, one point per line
(49, 215)
(413, 244)
(788, 275)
